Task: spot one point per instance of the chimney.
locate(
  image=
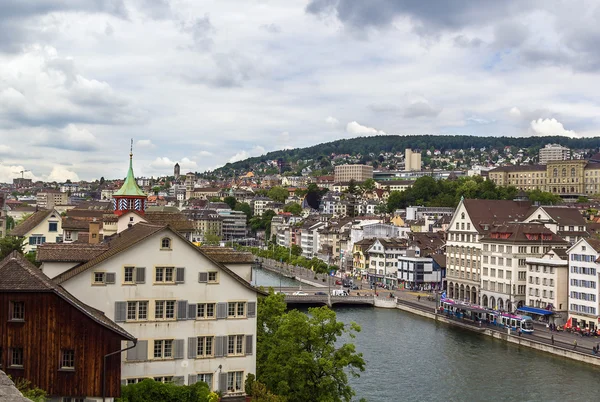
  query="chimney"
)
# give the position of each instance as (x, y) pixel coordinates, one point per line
(94, 236)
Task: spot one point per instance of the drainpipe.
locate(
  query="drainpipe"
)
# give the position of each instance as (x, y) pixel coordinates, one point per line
(104, 367)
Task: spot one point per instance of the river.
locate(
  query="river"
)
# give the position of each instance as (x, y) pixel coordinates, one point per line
(410, 358)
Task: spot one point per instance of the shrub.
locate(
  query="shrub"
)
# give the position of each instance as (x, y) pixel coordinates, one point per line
(154, 391)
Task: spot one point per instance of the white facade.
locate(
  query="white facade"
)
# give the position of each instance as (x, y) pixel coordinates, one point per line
(583, 283)
(554, 152)
(171, 312)
(418, 272)
(383, 261)
(548, 284)
(48, 230)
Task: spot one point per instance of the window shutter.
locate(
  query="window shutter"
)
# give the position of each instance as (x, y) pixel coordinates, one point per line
(221, 310)
(142, 350)
(179, 275)
(202, 277)
(218, 346)
(110, 278)
(192, 311)
(120, 311)
(225, 344)
(251, 309)
(249, 344)
(182, 309)
(140, 275)
(131, 353)
(178, 349)
(192, 379)
(178, 380)
(192, 348)
(223, 382)
(124, 382)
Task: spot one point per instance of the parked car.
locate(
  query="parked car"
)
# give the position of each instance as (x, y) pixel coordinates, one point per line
(320, 294)
(338, 282)
(339, 292)
(355, 287)
(299, 294)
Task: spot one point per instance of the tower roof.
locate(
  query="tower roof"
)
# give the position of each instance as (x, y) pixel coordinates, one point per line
(130, 187)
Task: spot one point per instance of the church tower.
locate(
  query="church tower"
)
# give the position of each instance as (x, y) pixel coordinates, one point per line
(130, 196)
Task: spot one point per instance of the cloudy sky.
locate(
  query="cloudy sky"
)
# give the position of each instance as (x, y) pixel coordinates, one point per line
(211, 81)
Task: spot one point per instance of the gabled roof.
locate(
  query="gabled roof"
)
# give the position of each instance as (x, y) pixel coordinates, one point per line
(489, 212)
(130, 187)
(31, 222)
(76, 224)
(175, 220)
(69, 252)
(566, 216)
(226, 255)
(19, 275)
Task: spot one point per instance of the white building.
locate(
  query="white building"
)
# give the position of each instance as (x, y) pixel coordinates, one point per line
(548, 285)
(194, 318)
(584, 267)
(41, 227)
(383, 258)
(554, 152)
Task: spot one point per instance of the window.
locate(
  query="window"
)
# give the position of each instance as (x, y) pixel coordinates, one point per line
(501, 249)
(164, 310)
(522, 249)
(213, 277)
(509, 249)
(137, 311)
(207, 378)
(67, 359)
(52, 226)
(99, 278)
(128, 275)
(35, 240)
(236, 309)
(522, 275)
(163, 379)
(164, 275)
(235, 381)
(163, 349)
(521, 262)
(205, 346)
(165, 243)
(134, 380)
(235, 345)
(17, 312)
(493, 248)
(206, 311)
(16, 357)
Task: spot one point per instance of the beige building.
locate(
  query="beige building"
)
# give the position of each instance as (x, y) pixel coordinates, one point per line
(554, 152)
(358, 173)
(44, 226)
(548, 283)
(48, 199)
(412, 160)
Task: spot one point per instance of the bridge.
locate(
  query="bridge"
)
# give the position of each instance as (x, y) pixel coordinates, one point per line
(328, 300)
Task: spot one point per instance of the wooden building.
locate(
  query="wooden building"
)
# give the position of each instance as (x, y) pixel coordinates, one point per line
(52, 339)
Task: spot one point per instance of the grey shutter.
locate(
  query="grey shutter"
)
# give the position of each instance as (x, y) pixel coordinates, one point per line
(202, 277)
(178, 380)
(120, 311)
(131, 353)
(110, 278)
(219, 346)
(192, 348)
(179, 275)
(182, 309)
(140, 275)
(192, 311)
(142, 350)
(178, 349)
(221, 310)
(192, 379)
(223, 382)
(249, 344)
(251, 309)
(225, 345)
(124, 382)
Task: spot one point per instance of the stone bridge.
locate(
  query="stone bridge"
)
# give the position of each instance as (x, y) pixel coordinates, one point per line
(330, 300)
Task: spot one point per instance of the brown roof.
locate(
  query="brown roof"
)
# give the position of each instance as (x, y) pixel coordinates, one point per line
(86, 213)
(176, 220)
(519, 231)
(440, 259)
(490, 212)
(226, 255)
(75, 224)
(566, 216)
(69, 252)
(19, 275)
(520, 168)
(31, 222)
(595, 243)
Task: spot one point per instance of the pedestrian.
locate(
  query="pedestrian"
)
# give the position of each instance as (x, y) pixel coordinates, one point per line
(552, 339)
(575, 344)
(519, 331)
(594, 351)
(418, 297)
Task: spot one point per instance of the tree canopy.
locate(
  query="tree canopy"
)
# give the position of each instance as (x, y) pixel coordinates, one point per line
(278, 194)
(293, 208)
(9, 244)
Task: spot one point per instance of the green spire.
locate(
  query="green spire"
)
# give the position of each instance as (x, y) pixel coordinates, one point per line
(130, 186)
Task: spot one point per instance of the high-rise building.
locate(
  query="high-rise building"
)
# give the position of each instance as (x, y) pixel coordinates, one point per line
(359, 173)
(176, 171)
(412, 160)
(554, 152)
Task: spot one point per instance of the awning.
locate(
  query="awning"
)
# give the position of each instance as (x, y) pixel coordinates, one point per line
(534, 310)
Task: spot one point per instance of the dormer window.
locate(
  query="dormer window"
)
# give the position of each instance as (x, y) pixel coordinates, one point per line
(165, 243)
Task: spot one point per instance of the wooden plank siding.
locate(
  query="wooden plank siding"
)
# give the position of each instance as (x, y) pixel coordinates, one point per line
(52, 324)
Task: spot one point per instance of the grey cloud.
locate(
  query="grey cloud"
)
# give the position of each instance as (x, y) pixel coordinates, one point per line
(420, 109)
(466, 42)
(510, 34)
(271, 28)
(156, 9)
(201, 30)
(384, 108)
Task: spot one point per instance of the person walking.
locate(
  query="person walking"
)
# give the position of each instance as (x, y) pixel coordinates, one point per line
(552, 339)
(519, 331)
(575, 344)
(418, 297)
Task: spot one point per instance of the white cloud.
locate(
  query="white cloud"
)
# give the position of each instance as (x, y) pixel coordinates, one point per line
(145, 144)
(61, 174)
(164, 163)
(551, 127)
(9, 172)
(5, 149)
(70, 137)
(241, 155)
(332, 121)
(355, 128)
(515, 112)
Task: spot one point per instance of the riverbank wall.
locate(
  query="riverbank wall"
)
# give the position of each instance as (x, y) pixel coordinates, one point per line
(504, 336)
(301, 280)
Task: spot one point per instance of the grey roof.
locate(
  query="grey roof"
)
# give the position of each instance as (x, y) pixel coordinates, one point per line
(31, 222)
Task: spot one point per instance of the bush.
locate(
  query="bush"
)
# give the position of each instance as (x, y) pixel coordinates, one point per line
(154, 391)
(29, 390)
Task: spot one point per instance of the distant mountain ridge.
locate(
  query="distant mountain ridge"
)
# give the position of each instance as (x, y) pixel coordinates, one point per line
(398, 143)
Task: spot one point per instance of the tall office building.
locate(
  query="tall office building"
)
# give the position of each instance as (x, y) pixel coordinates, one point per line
(554, 152)
(359, 173)
(412, 160)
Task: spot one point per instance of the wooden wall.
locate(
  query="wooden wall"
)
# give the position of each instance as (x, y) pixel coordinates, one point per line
(52, 324)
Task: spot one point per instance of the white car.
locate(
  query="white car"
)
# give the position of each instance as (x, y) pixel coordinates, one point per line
(299, 294)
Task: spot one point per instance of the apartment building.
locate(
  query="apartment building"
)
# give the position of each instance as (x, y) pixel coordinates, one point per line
(553, 152)
(43, 226)
(412, 160)
(505, 250)
(548, 285)
(48, 199)
(358, 173)
(584, 266)
(234, 224)
(567, 222)
(383, 260)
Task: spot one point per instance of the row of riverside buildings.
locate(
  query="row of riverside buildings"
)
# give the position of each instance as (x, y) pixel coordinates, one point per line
(142, 302)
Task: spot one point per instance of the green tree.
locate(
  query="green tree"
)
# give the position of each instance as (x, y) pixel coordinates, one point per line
(293, 208)
(278, 194)
(231, 201)
(245, 208)
(296, 250)
(352, 187)
(583, 199)
(396, 200)
(298, 356)
(9, 244)
(154, 391)
(211, 238)
(543, 197)
(368, 185)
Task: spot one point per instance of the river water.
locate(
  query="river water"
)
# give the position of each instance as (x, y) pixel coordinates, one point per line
(410, 358)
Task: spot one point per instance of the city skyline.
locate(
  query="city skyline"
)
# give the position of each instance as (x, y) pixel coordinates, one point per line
(204, 83)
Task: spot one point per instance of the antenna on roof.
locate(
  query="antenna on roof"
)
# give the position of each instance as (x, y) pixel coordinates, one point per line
(131, 149)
